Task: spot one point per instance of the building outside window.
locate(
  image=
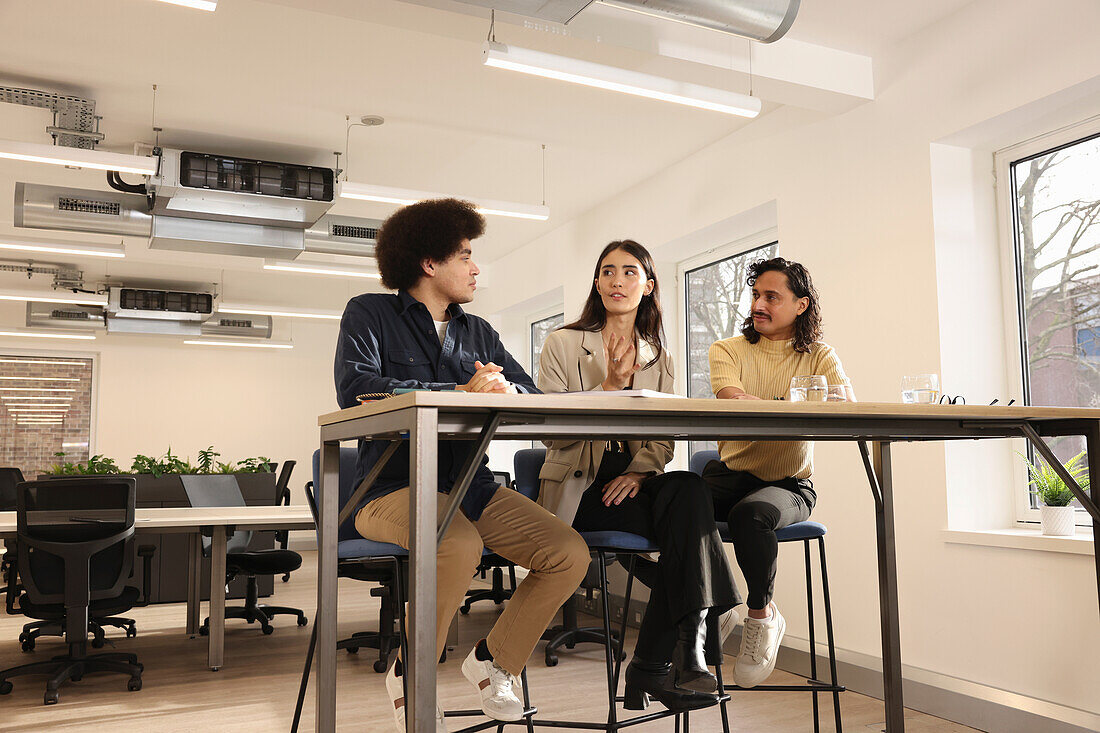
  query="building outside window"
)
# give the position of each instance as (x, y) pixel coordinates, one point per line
(45, 409)
(1055, 206)
(716, 303)
(540, 329)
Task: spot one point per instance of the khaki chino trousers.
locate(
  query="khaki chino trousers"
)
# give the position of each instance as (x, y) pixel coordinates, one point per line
(515, 528)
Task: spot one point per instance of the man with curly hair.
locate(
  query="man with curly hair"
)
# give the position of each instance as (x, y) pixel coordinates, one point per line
(761, 486)
(421, 338)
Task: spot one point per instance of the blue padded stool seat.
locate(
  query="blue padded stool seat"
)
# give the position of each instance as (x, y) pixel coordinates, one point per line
(361, 548)
(807, 530)
(624, 541)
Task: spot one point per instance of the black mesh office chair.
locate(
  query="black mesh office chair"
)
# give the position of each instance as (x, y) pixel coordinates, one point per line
(74, 554)
(222, 490)
(282, 498)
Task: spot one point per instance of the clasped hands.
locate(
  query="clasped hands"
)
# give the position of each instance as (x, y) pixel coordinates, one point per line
(487, 378)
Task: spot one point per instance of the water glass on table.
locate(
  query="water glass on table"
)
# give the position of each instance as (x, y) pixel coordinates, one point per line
(920, 389)
(837, 393)
(813, 388)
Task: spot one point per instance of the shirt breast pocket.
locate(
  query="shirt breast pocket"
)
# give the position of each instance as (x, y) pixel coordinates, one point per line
(468, 368)
(409, 365)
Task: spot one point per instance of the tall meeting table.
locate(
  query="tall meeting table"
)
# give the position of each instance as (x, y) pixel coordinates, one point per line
(422, 418)
(219, 523)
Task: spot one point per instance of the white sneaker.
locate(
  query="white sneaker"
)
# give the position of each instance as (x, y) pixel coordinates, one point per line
(727, 622)
(496, 687)
(759, 648)
(397, 696)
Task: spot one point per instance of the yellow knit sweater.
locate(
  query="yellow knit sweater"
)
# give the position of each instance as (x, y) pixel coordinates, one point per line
(764, 369)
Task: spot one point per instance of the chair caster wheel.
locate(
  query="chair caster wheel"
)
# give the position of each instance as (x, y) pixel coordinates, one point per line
(5, 687)
(134, 684)
(131, 632)
(465, 610)
(302, 621)
(97, 643)
(551, 660)
(204, 631)
(268, 630)
(380, 666)
(353, 650)
(51, 697)
(28, 645)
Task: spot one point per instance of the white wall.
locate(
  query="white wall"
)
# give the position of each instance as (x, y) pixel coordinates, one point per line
(855, 204)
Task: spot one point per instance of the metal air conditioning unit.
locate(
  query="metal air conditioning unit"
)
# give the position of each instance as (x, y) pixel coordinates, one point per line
(134, 310)
(237, 326)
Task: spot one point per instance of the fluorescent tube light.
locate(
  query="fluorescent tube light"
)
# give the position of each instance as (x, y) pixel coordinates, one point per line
(36, 389)
(551, 66)
(62, 248)
(47, 335)
(43, 361)
(318, 268)
(78, 158)
(210, 5)
(406, 196)
(29, 411)
(54, 296)
(42, 379)
(260, 310)
(258, 345)
(34, 398)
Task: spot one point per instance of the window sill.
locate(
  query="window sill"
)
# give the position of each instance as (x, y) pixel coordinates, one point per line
(1022, 539)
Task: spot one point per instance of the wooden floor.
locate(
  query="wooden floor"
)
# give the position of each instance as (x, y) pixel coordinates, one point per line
(255, 690)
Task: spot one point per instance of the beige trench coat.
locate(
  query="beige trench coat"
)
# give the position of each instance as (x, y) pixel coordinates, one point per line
(574, 361)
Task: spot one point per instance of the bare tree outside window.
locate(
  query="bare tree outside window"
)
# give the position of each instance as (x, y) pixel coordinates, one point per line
(717, 303)
(539, 331)
(1056, 210)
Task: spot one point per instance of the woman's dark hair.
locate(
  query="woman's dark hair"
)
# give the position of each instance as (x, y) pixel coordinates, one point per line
(431, 229)
(647, 323)
(807, 326)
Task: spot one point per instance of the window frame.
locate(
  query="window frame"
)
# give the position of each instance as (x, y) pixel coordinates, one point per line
(736, 248)
(532, 319)
(93, 396)
(1011, 275)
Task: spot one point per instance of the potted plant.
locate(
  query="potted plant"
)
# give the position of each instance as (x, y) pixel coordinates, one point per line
(1057, 516)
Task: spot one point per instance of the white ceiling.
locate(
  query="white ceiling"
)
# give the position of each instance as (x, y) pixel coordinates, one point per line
(275, 80)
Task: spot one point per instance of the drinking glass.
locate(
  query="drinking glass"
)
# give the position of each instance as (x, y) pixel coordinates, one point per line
(920, 389)
(837, 393)
(812, 388)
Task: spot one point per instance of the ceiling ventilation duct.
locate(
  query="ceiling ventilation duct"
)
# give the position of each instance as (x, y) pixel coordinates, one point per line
(760, 20)
(343, 235)
(65, 316)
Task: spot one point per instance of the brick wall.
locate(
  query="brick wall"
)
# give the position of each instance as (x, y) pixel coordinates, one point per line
(35, 421)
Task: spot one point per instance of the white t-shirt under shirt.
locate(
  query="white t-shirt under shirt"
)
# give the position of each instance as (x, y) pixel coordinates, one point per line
(441, 329)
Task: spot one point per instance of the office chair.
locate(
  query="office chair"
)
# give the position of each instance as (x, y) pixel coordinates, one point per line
(282, 498)
(804, 532)
(494, 564)
(75, 552)
(222, 490)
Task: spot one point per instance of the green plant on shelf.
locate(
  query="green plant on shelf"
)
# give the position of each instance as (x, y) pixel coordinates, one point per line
(260, 464)
(96, 465)
(165, 465)
(206, 459)
(1049, 486)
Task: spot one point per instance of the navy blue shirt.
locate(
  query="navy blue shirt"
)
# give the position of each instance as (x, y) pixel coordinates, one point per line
(388, 342)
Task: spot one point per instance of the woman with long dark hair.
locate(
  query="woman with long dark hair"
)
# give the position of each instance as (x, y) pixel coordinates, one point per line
(618, 344)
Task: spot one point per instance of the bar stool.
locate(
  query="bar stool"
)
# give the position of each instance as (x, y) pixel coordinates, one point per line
(804, 532)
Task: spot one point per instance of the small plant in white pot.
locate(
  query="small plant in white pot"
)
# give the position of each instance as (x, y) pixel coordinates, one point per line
(1057, 516)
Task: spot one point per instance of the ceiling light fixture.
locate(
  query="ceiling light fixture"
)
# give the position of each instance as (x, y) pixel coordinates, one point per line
(36, 389)
(35, 398)
(406, 196)
(61, 248)
(258, 345)
(318, 268)
(27, 411)
(54, 296)
(577, 71)
(210, 5)
(42, 379)
(44, 335)
(43, 361)
(78, 158)
(260, 310)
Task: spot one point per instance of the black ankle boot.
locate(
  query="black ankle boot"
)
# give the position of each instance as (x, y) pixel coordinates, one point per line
(646, 680)
(689, 665)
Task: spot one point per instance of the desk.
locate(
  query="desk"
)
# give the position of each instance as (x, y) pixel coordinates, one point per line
(193, 521)
(423, 417)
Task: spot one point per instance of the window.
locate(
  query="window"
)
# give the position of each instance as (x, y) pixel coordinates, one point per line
(540, 329)
(45, 409)
(716, 302)
(1054, 193)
